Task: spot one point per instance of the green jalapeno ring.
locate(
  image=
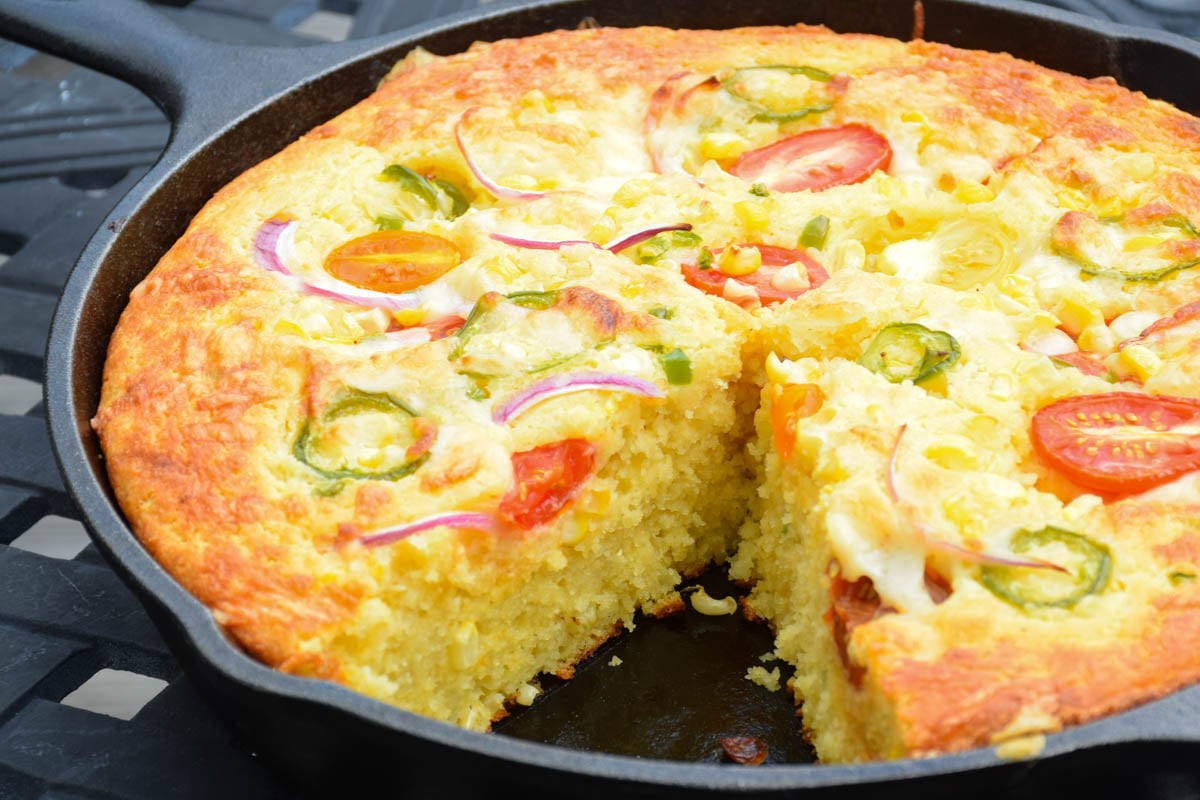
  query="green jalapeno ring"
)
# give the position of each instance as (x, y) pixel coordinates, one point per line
(352, 402)
(1072, 253)
(536, 300)
(909, 351)
(654, 248)
(426, 190)
(1091, 577)
(766, 114)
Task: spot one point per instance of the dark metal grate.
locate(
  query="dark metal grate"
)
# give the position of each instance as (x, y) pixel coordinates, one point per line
(71, 143)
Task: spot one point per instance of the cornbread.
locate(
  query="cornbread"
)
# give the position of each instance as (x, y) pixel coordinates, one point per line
(442, 396)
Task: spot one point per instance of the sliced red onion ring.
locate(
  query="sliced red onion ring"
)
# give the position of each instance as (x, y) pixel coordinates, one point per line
(271, 245)
(557, 385)
(539, 244)
(934, 542)
(267, 244)
(614, 246)
(643, 235)
(489, 184)
(454, 519)
(393, 302)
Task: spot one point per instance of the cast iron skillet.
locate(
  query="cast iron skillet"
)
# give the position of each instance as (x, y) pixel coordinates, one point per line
(233, 106)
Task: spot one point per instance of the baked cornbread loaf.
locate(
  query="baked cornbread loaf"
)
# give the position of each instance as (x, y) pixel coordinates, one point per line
(440, 397)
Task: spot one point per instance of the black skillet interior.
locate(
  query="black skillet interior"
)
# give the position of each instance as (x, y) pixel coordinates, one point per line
(232, 108)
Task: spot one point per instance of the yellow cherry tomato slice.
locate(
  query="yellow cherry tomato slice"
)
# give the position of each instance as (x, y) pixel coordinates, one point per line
(789, 403)
(393, 261)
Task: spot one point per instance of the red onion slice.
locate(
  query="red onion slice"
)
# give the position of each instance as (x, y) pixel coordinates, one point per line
(641, 236)
(267, 243)
(557, 385)
(454, 519)
(539, 244)
(489, 184)
(273, 241)
(934, 542)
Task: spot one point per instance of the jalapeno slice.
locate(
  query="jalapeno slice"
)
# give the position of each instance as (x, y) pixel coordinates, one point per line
(814, 232)
(308, 449)
(654, 248)
(428, 190)
(534, 300)
(1138, 247)
(677, 367)
(737, 85)
(1034, 587)
(909, 351)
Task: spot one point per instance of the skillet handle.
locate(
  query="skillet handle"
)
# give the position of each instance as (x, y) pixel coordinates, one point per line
(126, 39)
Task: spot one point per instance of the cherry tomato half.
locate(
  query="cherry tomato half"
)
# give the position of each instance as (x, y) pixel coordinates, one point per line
(713, 280)
(1087, 363)
(816, 159)
(393, 261)
(789, 403)
(1119, 442)
(546, 478)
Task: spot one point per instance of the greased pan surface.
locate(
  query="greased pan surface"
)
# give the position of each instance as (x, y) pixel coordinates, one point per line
(233, 107)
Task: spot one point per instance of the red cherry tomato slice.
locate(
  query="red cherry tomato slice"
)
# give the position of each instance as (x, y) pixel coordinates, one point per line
(816, 159)
(446, 326)
(1087, 363)
(546, 478)
(1182, 315)
(393, 261)
(1119, 442)
(713, 280)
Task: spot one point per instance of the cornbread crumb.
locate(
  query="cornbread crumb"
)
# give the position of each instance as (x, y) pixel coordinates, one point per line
(768, 679)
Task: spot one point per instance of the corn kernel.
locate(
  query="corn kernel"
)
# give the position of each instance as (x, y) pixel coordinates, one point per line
(951, 456)
(712, 607)
(527, 694)
(597, 501)
(1076, 312)
(575, 530)
(464, 646)
(520, 181)
(409, 317)
(1144, 242)
(537, 99)
(1139, 360)
(1139, 166)
(1097, 338)
(287, 327)
(504, 268)
(775, 370)
(983, 428)
(721, 145)
(370, 457)
(1001, 388)
(735, 260)
(973, 192)
(633, 191)
(753, 216)
(852, 255)
(1073, 199)
(605, 229)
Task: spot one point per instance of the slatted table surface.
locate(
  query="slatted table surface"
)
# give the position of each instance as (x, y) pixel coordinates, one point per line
(92, 705)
